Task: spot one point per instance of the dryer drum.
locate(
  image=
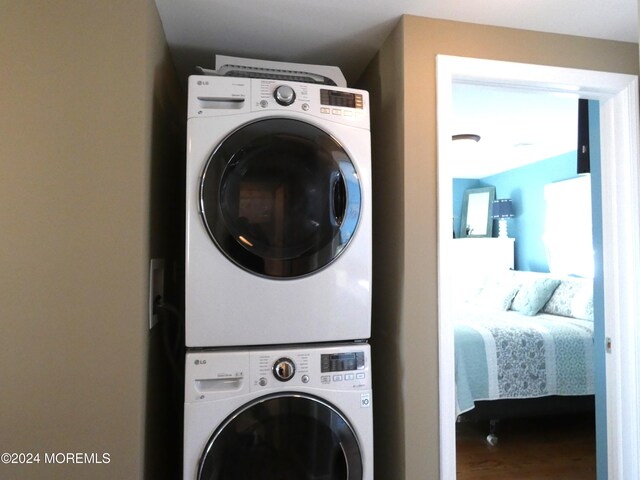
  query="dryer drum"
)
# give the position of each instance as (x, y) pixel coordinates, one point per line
(285, 436)
(280, 198)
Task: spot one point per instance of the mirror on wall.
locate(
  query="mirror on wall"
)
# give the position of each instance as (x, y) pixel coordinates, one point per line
(476, 218)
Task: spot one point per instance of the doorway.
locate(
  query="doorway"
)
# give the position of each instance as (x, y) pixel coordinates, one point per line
(618, 99)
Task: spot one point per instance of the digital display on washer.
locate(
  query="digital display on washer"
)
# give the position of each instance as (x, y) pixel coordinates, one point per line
(335, 98)
(342, 362)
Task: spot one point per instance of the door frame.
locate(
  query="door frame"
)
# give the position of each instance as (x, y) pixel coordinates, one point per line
(619, 126)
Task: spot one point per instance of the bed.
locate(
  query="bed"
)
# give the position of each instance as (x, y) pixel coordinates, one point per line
(524, 346)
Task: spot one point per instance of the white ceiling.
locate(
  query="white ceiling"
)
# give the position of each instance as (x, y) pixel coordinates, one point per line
(516, 128)
(348, 33)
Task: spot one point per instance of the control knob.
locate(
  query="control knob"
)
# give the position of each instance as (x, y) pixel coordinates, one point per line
(284, 369)
(285, 95)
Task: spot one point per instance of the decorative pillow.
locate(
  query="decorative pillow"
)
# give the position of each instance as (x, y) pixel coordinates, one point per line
(582, 305)
(572, 298)
(533, 294)
(498, 293)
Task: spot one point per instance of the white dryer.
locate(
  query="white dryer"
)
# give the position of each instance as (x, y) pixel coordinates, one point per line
(278, 221)
(293, 414)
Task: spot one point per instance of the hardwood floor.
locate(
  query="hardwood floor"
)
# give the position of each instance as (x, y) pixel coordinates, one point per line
(559, 448)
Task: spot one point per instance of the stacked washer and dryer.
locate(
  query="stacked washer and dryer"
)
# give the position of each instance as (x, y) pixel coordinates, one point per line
(278, 281)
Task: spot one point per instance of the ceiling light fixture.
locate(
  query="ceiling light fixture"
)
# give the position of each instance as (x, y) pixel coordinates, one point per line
(466, 136)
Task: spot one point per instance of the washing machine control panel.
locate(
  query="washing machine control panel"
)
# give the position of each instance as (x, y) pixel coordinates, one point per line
(230, 373)
(332, 369)
(340, 362)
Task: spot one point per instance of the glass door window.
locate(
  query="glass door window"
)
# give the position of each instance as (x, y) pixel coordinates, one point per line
(280, 198)
(283, 437)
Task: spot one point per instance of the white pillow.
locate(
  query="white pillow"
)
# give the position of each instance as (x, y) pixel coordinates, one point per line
(533, 295)
(498, 293)
(572, 298)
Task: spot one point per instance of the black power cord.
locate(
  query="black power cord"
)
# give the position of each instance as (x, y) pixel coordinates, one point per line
(172, 339)
(167, 310)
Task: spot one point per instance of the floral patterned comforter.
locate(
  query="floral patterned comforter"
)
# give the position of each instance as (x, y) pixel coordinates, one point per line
(503, 354)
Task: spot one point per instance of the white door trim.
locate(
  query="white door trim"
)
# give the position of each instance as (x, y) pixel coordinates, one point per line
(618, 96)
(621, 269)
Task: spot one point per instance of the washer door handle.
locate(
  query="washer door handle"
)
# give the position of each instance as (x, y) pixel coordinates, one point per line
(338, 199)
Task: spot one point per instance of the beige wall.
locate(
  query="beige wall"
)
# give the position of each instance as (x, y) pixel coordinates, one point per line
(77, 118)
(384, 79)
(402, 81)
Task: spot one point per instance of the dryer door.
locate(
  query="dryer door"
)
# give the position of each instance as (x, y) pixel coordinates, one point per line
(280, 198)
(289, 436)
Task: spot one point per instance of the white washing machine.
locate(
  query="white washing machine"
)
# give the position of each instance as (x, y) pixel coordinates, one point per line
(288, 414)
(278, 228)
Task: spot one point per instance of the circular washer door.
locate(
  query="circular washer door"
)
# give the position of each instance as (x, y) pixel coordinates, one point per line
(280, 197)
(287, 436)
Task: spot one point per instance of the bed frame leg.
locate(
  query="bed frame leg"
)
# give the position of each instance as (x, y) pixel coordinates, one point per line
(492, 438)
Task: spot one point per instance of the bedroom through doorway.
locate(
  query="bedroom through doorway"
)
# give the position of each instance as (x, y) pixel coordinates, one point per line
(617, 444)
(514, 356)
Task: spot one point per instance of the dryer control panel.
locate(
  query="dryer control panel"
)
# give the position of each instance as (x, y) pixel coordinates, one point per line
(211, 96)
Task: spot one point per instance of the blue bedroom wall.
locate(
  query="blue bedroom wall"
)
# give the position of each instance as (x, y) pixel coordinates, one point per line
(525, 186)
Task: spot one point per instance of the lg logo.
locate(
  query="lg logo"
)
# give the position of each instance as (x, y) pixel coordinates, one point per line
(202, 82)
(200, 362)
